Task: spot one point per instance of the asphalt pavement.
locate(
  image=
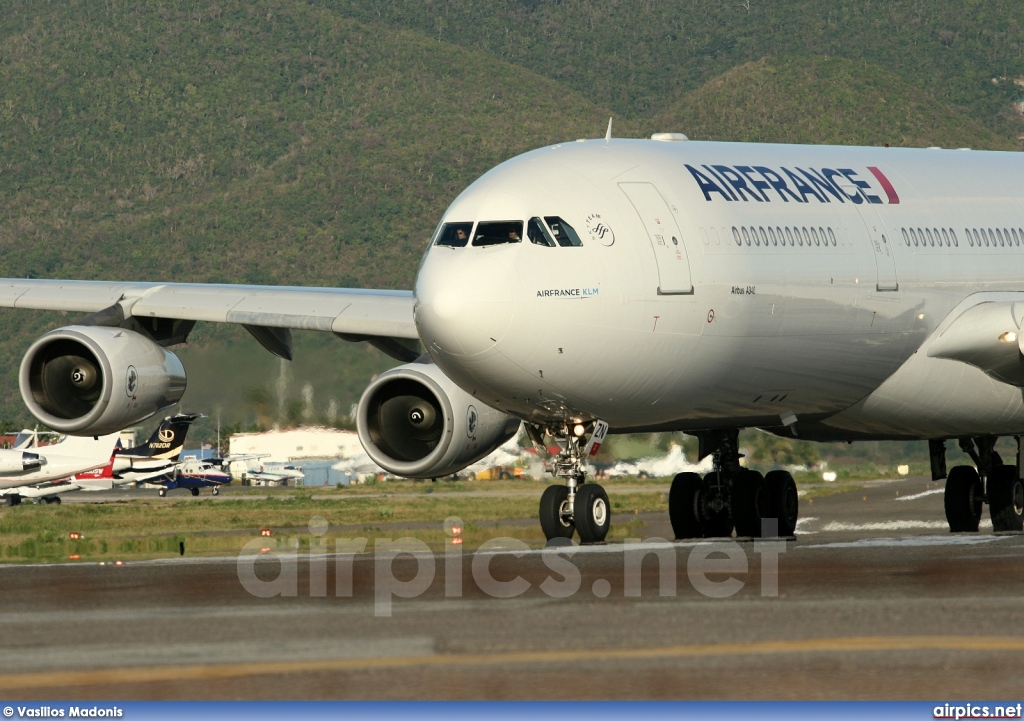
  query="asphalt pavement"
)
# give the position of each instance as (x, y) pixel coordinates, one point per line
(874, 599)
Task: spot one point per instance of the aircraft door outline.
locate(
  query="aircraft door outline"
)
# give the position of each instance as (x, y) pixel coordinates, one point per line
(882, 247)
(665, 237)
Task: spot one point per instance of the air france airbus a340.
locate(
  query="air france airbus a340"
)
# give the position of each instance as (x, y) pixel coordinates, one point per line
(826, 293)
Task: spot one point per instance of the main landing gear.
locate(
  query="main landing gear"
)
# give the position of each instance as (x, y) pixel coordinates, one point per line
(731, 496)
(575, 505)
(988, 481)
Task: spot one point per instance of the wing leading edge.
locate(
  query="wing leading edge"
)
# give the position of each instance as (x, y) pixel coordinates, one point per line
(382, 317)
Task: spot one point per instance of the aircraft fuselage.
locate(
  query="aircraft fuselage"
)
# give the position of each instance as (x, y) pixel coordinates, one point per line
(720, 285)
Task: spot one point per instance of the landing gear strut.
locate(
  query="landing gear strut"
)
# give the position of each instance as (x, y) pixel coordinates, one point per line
(992, 481)
(575, 506)
(730, 496)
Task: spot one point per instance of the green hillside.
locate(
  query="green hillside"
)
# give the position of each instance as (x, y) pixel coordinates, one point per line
(640, 57)
(264, 142)
(318, 143)
(807, 99)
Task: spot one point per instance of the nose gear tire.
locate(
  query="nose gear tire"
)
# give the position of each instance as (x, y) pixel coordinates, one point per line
(554, 518)
(592, 513)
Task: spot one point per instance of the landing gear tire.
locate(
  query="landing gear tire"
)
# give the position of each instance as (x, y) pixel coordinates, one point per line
(1006, 499)
(216, 491)
(963, 499)
(162, 492)
(53, 500)
(718, 524)
(684, 506)
(13, 499)
(555, 519)
(749, 503)
(783, 501)
(592, 513)
(195, 491)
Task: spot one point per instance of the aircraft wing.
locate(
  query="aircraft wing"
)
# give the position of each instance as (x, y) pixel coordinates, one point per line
(346, 311)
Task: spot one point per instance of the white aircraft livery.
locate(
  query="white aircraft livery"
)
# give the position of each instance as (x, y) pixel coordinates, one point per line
(824, 293)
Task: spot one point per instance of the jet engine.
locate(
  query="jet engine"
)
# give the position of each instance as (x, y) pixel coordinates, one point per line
(415, 422)
(14, 461)
(93, 380)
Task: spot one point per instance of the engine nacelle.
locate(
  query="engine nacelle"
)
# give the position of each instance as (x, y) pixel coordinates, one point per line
(93, 380)
(415, 422)
(14, 461)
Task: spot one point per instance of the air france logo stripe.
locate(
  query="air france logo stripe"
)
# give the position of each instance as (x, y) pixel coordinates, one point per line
(763, 185)
(886, 186)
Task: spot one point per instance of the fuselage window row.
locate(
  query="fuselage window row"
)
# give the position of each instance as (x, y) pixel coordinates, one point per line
(976, 237)
(930, 237)
(779, 236)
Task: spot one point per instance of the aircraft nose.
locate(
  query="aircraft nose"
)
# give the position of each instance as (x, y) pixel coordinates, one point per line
(464, 307)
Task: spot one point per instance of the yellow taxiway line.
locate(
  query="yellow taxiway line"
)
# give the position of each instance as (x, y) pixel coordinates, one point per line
(147, 674)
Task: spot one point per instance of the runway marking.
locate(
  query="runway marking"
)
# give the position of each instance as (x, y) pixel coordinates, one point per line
(910, 541)
(921, 495)
(207, 672)
(894, 526)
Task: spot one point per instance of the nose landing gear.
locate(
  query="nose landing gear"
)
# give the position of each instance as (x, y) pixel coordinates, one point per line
(577, 505)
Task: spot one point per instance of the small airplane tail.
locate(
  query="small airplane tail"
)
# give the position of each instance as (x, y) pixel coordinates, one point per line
(168, 439)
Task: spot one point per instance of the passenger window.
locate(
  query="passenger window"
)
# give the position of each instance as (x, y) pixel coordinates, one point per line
(497, 232)
(977, 238)
(563, 232)
(906, 237)
(814, 234)
(454, 235)
(764, 236)
(789, 235)
(746, 236)
(832, 237)
(1016, 238)
(807, 237)
(736, 236)
(771, 234)
(538, 234)
(931, 240)
(952, 234)
(991, 238)
(945, 238)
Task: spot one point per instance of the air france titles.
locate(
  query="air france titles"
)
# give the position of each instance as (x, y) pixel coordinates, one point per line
(800, 185)
(568, 293)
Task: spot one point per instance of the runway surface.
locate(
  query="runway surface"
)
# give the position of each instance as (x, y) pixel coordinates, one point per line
(875, 599)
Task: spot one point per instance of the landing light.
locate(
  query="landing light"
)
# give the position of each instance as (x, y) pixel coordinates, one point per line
(1008, 337)
(578, 430)
(265, 532)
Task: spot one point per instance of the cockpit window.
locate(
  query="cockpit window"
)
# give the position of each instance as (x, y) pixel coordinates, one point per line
(454, 235)
(496, 232)
(538, 234)
(563, 232)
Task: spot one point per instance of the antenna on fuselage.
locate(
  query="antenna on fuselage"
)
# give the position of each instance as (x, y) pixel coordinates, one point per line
(608, 134)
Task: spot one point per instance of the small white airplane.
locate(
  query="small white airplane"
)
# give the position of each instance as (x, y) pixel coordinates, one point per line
(250, 466)
(829, 293)
(124, 466)
(54, 463)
